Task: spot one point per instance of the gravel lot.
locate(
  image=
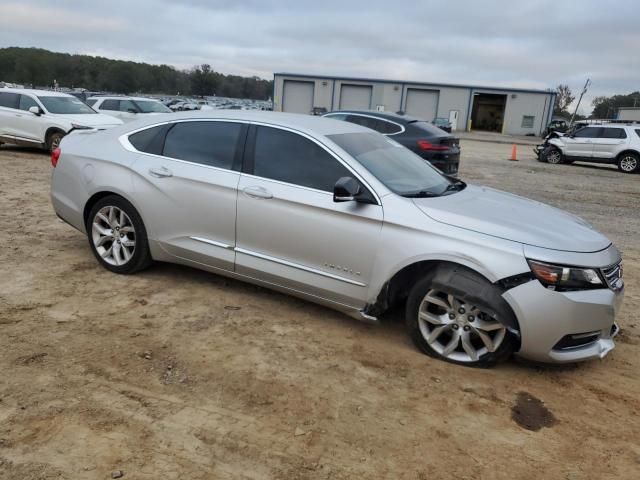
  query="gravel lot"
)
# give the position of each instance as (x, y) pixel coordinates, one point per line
(179, 374)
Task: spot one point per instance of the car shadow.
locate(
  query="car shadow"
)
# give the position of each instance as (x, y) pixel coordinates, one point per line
(7, 147)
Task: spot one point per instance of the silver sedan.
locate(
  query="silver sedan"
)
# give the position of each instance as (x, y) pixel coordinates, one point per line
(340, 215)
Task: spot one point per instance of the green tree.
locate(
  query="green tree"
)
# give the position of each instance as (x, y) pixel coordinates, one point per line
(607, 107)
(39, 68)
(564, 98)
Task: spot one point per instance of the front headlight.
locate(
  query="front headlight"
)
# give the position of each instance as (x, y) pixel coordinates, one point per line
(75, 126)
(561, 278)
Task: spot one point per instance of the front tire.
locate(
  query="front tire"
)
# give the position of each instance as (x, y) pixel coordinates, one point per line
(629, 163)
(456, 315)
(117, 236)
(553, 156)
(53, 141)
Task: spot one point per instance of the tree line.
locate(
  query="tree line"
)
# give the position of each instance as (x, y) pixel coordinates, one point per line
(603, 107)
(40, 68)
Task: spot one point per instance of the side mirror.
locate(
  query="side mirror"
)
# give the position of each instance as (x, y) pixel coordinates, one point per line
(131, 110)
(345, 190)
(36, 111)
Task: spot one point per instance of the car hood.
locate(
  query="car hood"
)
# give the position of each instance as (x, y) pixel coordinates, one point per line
(92, 120)
(504, 215)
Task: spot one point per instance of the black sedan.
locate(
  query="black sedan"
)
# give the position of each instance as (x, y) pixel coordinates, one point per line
(438, 147)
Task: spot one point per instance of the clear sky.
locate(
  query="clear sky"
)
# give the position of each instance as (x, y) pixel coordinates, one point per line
(533, 43)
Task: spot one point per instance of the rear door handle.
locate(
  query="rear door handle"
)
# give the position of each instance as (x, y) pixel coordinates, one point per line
(160, 172)
(257, 192)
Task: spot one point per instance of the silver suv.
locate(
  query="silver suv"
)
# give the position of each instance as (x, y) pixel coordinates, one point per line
(608, 143)
(341, 215)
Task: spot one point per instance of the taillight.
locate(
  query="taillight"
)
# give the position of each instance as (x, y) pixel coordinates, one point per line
(55, 155)
(426, 145)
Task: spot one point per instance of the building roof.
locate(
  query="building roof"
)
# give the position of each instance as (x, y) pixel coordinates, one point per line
(405, 82)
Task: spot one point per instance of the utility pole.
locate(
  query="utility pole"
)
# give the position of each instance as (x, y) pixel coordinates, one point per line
(584, 90)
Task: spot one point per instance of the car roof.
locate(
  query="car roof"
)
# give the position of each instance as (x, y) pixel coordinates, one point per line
(310, 124)
(47, 93)
(120, 97)
(395, 117)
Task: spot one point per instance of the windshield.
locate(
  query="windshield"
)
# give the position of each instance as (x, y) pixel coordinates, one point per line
(151, 106)
(65, 105)
(398, 168)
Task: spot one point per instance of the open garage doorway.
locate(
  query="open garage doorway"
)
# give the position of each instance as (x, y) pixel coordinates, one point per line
(488, 112)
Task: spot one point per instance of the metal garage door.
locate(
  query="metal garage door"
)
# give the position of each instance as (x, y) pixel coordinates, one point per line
(297, 97)
(355, 97)
(422, 103)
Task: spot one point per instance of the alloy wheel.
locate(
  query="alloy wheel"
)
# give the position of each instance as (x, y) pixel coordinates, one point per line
(628, 163)
(113, 235)
(457, 330)
(554, 156)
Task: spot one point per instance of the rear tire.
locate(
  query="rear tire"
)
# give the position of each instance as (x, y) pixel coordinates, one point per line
(117, 236)
(456, 315)
(629, 163)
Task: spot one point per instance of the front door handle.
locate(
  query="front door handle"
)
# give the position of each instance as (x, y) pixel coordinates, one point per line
(257, 192)
(160, 172)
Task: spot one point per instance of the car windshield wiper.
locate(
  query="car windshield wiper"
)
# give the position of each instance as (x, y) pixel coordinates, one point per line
(421, 194)
(455, 186)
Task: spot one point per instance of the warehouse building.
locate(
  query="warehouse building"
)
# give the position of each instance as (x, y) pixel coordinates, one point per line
(630, 114)
(513, 111)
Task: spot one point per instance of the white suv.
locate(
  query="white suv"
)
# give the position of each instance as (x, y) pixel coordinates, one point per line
(40, 118)
(608, 143)
(127, 108)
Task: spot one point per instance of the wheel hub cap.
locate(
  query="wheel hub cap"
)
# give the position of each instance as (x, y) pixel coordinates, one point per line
(457, 330)
(113, 235)
(628, 164)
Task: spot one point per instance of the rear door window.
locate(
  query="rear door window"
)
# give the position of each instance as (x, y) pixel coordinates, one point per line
(588, 132)
(9, 100)
(110, 104)
(613, 133)
(369, 122)
(292, 158)
(208, 143)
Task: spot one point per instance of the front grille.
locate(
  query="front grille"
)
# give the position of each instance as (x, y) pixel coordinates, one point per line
(613, 276)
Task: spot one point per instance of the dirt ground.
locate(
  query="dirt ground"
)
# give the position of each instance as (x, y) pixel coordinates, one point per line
(179, 374)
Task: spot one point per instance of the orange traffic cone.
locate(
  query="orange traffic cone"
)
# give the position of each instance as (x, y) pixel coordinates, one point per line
(514, 153)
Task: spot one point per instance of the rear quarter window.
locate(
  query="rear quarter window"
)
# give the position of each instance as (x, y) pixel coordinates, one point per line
(638, 132)
(613, 133)
(150, 140)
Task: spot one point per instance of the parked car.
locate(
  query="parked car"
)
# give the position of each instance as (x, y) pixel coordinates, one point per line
(439, 148)
(40, 118)
(127, 108)
(608, 143)
(182, 105)
(443, 124)
(557, 124)
(343, 216)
